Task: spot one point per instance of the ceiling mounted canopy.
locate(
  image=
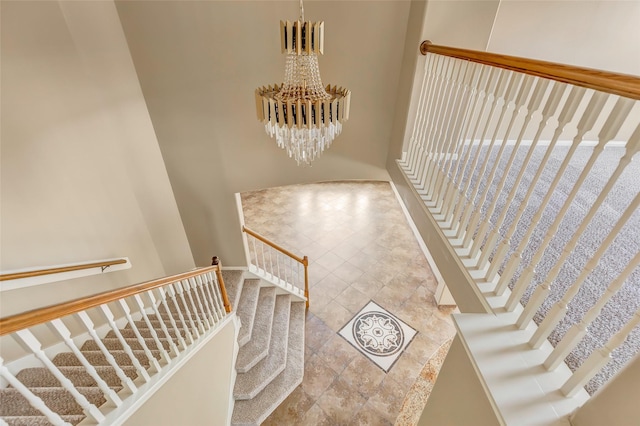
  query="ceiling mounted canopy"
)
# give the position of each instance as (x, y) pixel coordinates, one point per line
(301, 114)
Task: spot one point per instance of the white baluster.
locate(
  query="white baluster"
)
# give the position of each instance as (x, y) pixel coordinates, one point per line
(154, 366)
(447, 130)
(84, 319)
(598, 358)
(207, 302)
(255, 252)
(609, 130)
(106, 312)
(542, 291)
(199, 307)
(205, 285)
(264, 263)
(29, 341)
(509, 99)
(217, 295)
(432, 121)
(484, 230)
(163, 326)
(499, 98)
(559, 309)
(467, 207)
(523, 94)
(588, 119)
(481, 73)
(191, 306)
(426, 116)
(436, 135)
(278, 268)
(58, 327)
(468, 168)
(174, 295)
(548, 111)
(271, 270)
(454, 135)
(33, 399)
(420, 112)
(567, 113)
(573, 336)
(443, 63)
(174, 325)
(154, 335)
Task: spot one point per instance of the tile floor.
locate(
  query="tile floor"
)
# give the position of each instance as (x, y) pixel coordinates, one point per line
(360, 248)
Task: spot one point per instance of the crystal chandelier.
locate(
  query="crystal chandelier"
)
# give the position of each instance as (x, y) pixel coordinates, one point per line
(302, 115)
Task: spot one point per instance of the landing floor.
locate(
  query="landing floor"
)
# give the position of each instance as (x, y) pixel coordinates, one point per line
(360, 249)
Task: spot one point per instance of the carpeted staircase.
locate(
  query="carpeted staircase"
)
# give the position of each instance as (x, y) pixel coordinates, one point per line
(270, 362)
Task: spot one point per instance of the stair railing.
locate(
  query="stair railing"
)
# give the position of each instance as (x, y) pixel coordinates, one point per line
(179, 311)
(492, 144)
(280, 266)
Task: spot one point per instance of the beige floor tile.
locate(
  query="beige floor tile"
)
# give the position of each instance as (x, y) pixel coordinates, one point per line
(337, 353)
(317, 273)
(292, 410)
(352, 299)
(316, 332)
(363, 375)
(388, 400)
(341, 402)
(369, 417)
(348, 272)
(334, 315)
(405, 370)
(316, 416)
(332, 285)
(317, 377)
(330, 260)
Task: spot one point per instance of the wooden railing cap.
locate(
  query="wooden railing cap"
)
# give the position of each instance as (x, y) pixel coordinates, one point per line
(605, 81)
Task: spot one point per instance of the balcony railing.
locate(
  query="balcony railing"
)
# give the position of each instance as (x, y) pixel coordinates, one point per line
(525, 169)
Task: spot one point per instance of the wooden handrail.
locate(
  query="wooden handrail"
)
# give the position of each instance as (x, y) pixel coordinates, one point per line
(304, 260)
(42, 315)
(605, 81)
(254, 234)
(49, 271)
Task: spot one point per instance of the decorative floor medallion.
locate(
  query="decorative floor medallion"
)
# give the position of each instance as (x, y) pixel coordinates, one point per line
(379, 335)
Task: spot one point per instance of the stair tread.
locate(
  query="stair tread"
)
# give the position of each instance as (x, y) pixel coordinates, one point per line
(258, 347)
(98, 358)
(247, 309)
(42, 377)
(40, 420)
(115, 344)
(12, 403)
(256, 410)
(250, 383)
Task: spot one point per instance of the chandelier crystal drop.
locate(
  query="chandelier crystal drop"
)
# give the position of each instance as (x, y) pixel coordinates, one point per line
(301, 114)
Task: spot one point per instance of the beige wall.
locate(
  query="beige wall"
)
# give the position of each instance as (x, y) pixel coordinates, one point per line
(602, 34)
(199, 64)
(82, 176)
(198, 393)
(458, 397)
(615, 403)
